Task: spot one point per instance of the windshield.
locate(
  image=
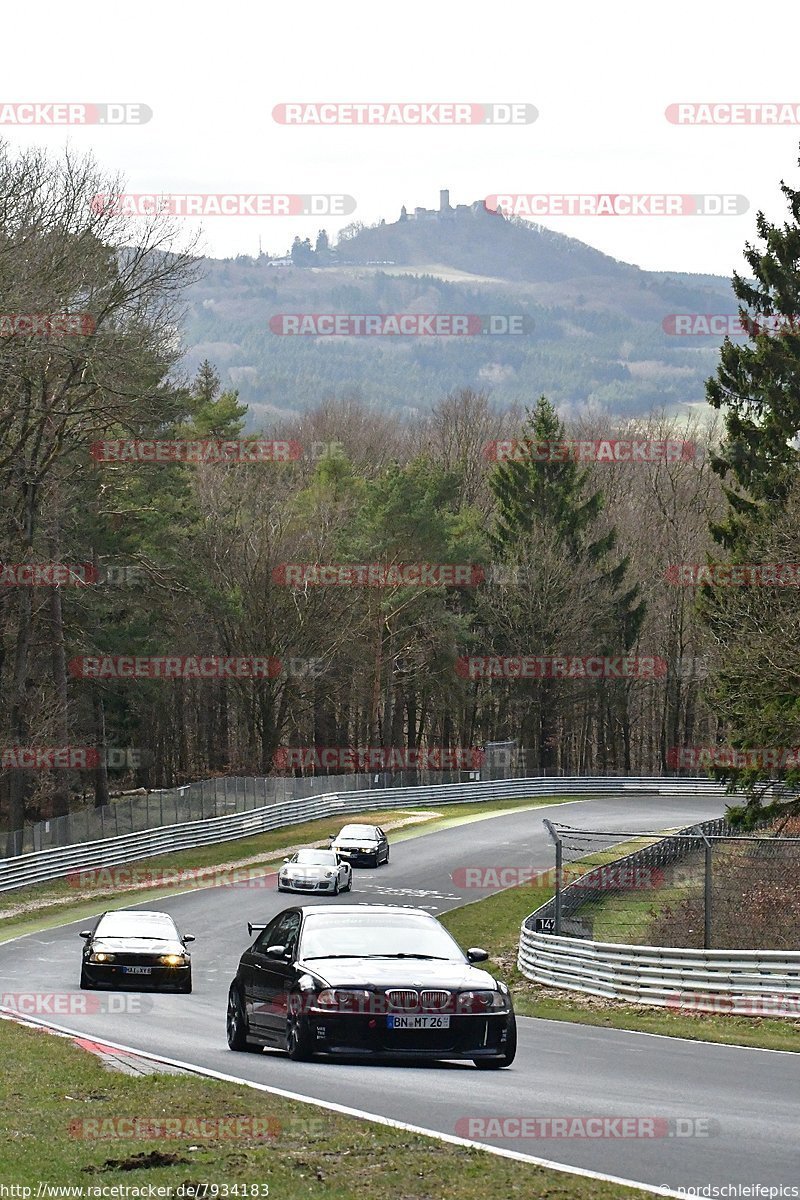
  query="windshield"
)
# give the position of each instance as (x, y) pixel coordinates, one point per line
(376, 935)
(315, 858)
(362, 833)
(136, 925)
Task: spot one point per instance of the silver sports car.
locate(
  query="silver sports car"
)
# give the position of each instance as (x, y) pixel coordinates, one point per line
(315, 871)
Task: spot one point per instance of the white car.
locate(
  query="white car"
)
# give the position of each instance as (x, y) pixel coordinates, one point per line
(315, 871)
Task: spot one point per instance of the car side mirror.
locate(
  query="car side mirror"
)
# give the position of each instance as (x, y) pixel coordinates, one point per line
(475, 954)
(275, 951)
(287, 860)
(189, 937)
(85, 933)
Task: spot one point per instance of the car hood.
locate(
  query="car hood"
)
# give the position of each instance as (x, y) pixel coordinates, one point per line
(392, 972)
(112, 945)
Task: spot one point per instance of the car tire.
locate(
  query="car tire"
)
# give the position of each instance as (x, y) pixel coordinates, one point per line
(506, 1058)
(336, 888)
(298, 1038)
(86, 983)
(236, 1024)
(386, 860)
(349, 887)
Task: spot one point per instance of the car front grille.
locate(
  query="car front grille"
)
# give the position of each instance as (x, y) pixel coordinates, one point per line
(412, 1000)
(434, 999)
(403, 999)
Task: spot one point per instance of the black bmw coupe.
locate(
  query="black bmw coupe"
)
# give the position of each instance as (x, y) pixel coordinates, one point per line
(368, 980)
(136, 948)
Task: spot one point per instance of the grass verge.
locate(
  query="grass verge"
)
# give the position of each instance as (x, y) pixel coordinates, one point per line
(495, 922)
(28, 910)
(57, 1096)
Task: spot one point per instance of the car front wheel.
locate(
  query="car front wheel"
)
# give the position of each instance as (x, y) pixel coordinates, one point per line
(506, 1058)
(298, 1038)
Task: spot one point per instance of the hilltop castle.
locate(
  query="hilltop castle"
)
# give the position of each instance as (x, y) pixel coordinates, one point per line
(446, 212)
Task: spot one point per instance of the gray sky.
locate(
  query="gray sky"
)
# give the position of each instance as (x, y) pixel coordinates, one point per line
(600, 75)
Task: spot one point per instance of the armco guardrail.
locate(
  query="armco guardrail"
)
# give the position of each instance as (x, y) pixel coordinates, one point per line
(43, 865)
(749, 982)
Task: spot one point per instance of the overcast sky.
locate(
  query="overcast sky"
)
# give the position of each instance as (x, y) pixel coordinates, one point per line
(600, 76)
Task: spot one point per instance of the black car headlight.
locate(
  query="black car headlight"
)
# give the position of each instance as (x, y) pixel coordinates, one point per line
(348, 1000)
(100, 956)
(482, 1001)
(173, 960)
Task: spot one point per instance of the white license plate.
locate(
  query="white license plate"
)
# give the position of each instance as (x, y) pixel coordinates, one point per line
(402, 1022)
(137, 970)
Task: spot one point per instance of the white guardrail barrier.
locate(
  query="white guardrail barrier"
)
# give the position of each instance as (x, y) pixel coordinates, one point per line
(749, 982)
(58, 862)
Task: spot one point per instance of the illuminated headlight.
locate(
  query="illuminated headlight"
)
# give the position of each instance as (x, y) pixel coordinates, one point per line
(172, 960)
(100, 957)
(343, 1000)
(482, 1001)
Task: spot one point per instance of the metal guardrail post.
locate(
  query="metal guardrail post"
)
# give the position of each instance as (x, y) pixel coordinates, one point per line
(707, 889)
(559, 865)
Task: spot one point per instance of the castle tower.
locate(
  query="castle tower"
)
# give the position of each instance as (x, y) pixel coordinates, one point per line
(444, 200)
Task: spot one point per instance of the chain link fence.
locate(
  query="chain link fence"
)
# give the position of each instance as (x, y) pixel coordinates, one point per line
(706, 887)
(199, 801)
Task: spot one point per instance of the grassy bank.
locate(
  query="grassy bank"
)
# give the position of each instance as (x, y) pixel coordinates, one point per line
(59, 1123)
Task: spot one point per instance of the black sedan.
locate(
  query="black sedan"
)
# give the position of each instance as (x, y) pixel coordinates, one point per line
(368, 980)
(361, 845)
(136, 947)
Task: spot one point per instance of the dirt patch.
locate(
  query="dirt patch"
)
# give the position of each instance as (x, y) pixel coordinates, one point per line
(138, 1162)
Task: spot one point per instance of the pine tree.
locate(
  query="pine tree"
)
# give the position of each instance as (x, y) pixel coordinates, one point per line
(545, 502)
(757, 384)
